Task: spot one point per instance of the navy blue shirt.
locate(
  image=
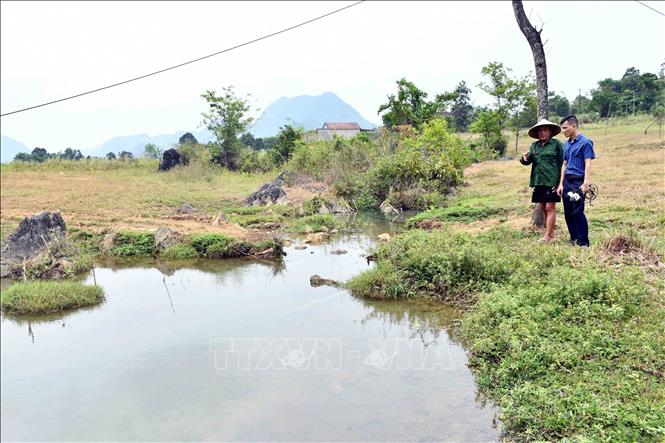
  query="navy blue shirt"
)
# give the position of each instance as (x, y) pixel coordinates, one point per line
(575, 152)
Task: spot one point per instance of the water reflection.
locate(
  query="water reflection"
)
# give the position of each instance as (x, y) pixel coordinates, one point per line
(142, 367)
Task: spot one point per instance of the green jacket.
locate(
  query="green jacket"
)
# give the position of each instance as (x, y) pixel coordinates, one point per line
(545, 163)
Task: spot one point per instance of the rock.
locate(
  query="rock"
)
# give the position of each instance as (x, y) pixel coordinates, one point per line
(32, 237)
(317, 237)
(269, 192)
(317, 280)
(323, 229)
(170, 158)
(387, 208)
(301, 211)
(287, 243)
(282, 201)
(269, 225)
(337, 208)
(385, 237)
(188, 137)
(339, 251)
(324, 209)
(219, 218)
(186, 208)
(108, 242)
(308, 229)
(166, 237)
(300, 247)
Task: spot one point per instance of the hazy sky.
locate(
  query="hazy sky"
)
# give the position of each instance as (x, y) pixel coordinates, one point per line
(54, 49)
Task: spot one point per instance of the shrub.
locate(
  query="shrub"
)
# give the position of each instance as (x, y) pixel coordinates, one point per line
(129, 244)
(318, 223)
(180, 252)
(208, 245)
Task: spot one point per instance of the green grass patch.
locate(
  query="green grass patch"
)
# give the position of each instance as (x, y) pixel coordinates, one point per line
(317, 223)
(133, 244)
(180, 252)
(457, 213)
(38, 297)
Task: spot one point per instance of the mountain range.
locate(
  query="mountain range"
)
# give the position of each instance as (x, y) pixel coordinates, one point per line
(306, 110)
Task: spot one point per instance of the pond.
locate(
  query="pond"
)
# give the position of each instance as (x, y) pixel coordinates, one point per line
(240, 350)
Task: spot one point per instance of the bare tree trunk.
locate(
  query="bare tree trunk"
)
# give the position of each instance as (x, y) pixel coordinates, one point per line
(533, 37)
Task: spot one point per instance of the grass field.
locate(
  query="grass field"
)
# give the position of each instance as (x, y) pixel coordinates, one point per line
(130, 196)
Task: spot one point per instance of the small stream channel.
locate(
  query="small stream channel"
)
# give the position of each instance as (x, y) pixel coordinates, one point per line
(240, 350)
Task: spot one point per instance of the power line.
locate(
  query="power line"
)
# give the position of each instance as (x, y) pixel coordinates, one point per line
(653, 9)
(187, 62)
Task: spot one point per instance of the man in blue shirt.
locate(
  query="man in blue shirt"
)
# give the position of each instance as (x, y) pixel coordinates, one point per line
(575, 179)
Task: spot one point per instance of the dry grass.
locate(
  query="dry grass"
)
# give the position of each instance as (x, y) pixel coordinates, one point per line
(130, 197)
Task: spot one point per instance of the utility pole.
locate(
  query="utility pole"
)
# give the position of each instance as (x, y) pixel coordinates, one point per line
(579, 99)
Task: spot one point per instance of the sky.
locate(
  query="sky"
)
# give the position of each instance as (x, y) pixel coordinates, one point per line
(49, 50)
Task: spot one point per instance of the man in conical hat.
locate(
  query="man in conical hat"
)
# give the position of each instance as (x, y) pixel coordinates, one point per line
(545, 157)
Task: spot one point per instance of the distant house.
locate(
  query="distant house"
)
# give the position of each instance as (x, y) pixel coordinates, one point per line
(342, 129)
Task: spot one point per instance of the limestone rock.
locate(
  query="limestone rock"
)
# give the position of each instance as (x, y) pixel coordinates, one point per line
(165, 238)
(385, 237)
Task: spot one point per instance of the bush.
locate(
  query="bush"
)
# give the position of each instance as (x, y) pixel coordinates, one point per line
(210, 245)
(40, 297)
(180, 252)
(318, 223)
(131, 244)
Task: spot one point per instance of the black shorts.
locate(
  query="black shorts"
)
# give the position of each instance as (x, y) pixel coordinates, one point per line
(545, 194)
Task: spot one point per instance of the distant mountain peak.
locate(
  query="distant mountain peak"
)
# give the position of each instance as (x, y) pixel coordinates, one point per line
(310, 111)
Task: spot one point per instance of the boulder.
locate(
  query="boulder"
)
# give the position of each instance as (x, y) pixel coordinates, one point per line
(317, 237)
(317, 280)
(324, 209)
(387, 208)
(108, 242)
(337, 208)
(33, 236)
(170, 158)
(385, 237)
(339, 251)
(186, 208)
(165, 238)
(300, 247)
(269, 192)
(219, 218)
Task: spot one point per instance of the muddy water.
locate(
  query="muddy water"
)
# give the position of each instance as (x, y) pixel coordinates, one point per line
(243, 351)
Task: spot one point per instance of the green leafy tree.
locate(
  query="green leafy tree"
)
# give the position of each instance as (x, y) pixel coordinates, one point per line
(39, 155)
(461, 111)
(288, 139)
(409, 107)
(487, 124)
(125, 156)
(111, 156)
(558, 104)
(513, 97)
(22, 157)
(226, 119)
(151, 150)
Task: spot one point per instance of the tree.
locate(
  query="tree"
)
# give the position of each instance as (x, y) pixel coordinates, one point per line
(247, 139)
(288, 138)
(22, 157)
(408, 107)
(488, 126)
(512, 95)
(39, 155)
(111, 156)
(533, 38)
(559, 105)
(125, 155)
(461, 110)
(151, 150)
(226, 119)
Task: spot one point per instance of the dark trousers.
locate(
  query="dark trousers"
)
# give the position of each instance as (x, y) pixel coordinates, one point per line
(578, 227)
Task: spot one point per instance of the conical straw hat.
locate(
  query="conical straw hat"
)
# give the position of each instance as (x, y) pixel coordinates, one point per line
(533, 132)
